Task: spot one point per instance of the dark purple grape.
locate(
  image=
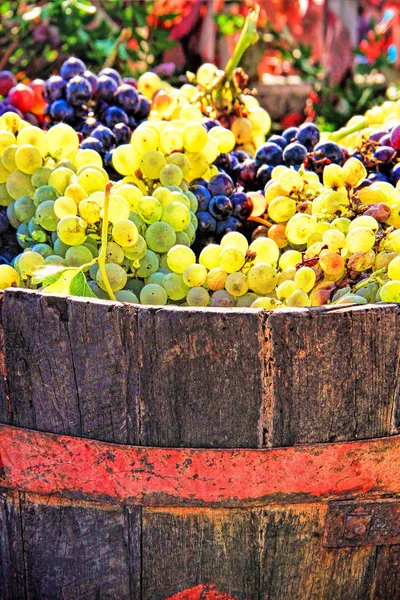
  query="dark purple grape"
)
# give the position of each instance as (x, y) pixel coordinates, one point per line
(227, 225)
(7, 82)
(127, 97)
(71, 67)
(384, 154)
(105, 135)
(211, 123)
(31, 118)
(78, 91)
(4, 223)
(395, 174)
(81, 112)
(377, 135)
(224, 161)
(241, 155)
(290, 134)
(92, 79)
(294, 154)
(114, 115)
(280, 140)
(203, 196)
(122, 134)
(308, 135)
(268, 154)
(221, 184)
(130, 81)
(143, 109)
(106, 88)
(385, 140)
(377, 177)
(113, 73)
(199, 181)
(9, 108)
(246, 173)
(363, 184)
(395, 137)
(331, 151)
(54, 88)
(93, 143)
(60, 110)
(89, 125)
(242, 206)
(132, 122)
(207, 225)
(220, 207)
(264, 175)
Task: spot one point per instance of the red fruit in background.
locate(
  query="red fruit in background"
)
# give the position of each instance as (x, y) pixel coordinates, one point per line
(7, 81)
(22, 97)
(39, 103)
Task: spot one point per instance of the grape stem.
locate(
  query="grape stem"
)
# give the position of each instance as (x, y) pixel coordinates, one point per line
(103, 249)
(248, 37)
(123, 37)
(344, 131)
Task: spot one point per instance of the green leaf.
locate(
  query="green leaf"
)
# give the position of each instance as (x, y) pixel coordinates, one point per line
(79, 286)
(49, 274)
(63, 284)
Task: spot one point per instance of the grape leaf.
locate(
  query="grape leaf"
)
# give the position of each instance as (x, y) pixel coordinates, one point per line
(48, 274)
(63, 284)
(79, 286)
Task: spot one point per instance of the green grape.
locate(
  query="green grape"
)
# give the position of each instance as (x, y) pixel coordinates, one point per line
(195, 275)
(132, 194)
(176, 215)
(92, 247)
(125, 159)
(93, 270)
(342, 224)
(28, 263)
(260, 120)
(118, 209)
(97, 291)
(65, 162)
(126, 296)
(235, 239)
(224, 137)
(88, 157)
(24, 209)
(192, 200)
(266, 303)
(305, 279)
(262, 278)
(44, 249)
(289, 259)
(181, 161)
(6, 139)
(209, 256)
(19, 184)
(175, 287)
(36, 231)
(135, 286)
(163, 195)
(149, 209)
(267, 251)
(144, 140)
(125, 233)
(157, 277)
(28, 159)
(231, 259)
(334, 239)
(390, 291)
(211, 150)
(160, 237)
(364, 221)
(193, 220)
(60, 248)
(72, 231)
(247, 300)
(64, 207)
(182, 238)
(190, 232)
(300, 227)
(148, 264)
(360, 239)
(352, 299)
(281, 209)
(61, 178)
(116, 276)
(198, 165)
(194, 137)
(137, 251)
(91, 181)
(34, 137)
(4, 173)
(76, 192)
(46, 217)
(23, 236)
(179, 197)
(394, 268)
(191, 113)
(216, 279)
(61, 140)
(171, 175)
(290, 181)
(11, 121)
(78, 256)
(114, 253)
(198, 296)
(43, 193)
(171, 140)
(236, 284)
(11, 216)
(285, 289)
(152, 163)
(153, 294)
(221, 298)
(5, 198)
(56, 261)
(9, 277)
(180, 257)
(89, 210)
(41, 177)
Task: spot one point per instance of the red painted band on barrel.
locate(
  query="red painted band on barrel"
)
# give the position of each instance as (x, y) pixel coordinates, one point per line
(73, 467)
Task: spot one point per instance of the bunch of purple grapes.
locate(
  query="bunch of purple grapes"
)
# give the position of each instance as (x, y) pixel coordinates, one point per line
(104, 108)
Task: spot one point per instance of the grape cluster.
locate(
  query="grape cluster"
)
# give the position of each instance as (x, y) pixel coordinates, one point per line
(25, 100)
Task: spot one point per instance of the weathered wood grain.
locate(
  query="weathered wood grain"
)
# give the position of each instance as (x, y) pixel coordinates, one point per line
(333, 374)
(12, 575)
(5, 405)
(185, 548)
(202, 377)
(386, 585)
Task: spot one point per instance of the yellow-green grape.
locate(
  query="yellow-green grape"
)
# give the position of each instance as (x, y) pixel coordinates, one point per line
(394, 268)
(116, 276)
(148, 83)
(231, 259)
(298, 298)
(29, 262)
(137, 251)
(89, 210)
(28, 159)
(289, 180)
(60, 248)
(76, 192)
(114, 253)
(65, 206)
(390, 291)
(148, 264)
(24, 209)
(61, 178)
(9, 277)
(132, 194)
(209, 256)
(300, 227)
(353, 172)
(118, 209)
(5, 198)
(163, 195)
(72, 231)
(262, 278)
(216, 279)
(236, 284)
(177, 215)
(242, 130)
(360, 239)
(365, 221)
(153, 294)
(91, 180)
(19, 184)
(198, 296)
(289, 259)
(305, 279)
(286, 275)
(179, 197)
(266, 250)
(144, 140)
(334, 239)
(181, 161)
(171, 175)
(224, 138)
(285, 289)
(8, 158)
(206, 74)
(278, 171)
(180, 257)
(4, 173)
(182, 238)
(45, 215)
(369, 195)
(267, 303)
(331, 263)
(149, 209)
(125, 233)
(124, 296)
(281, 209)
(333, 176)
(125, 159)
(236, 239)
(394, 239)
(191, 113)
(171, 140)
(76, 256)
(211, 150)
(6, 139)
(152, 163)
(56, 261)
(160, 237)
(35, 137)
(198, 165)
(156, 277)
(246, 300)
(11, 121)
(341, 224)
(260, 120)
(222, 299)
(61, 140)
(194, 275)
(194, 137)
(88, 157)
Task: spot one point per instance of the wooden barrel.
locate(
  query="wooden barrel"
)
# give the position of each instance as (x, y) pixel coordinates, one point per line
(166, 453)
